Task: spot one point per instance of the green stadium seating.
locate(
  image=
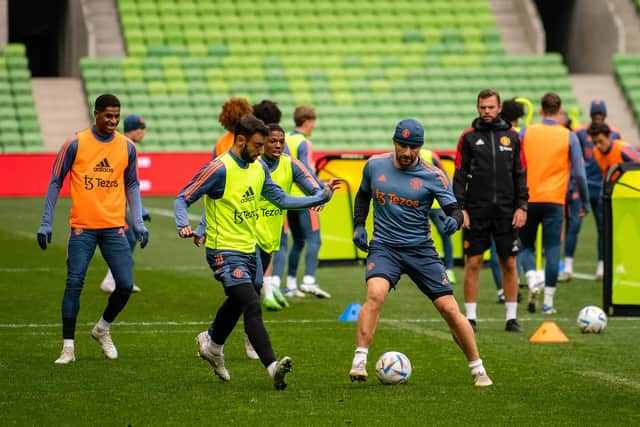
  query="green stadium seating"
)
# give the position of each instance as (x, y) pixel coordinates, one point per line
(19, 127)
(627, 67)
(363, 64)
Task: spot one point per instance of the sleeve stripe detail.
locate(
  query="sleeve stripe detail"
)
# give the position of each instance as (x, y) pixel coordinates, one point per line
(381, 156)
(57, 167)
(307, 174)
(202, 178)
(458, 161)
(441, 174)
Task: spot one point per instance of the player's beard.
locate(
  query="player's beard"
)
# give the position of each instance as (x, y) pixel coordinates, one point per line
(406, 161)
(244, 154)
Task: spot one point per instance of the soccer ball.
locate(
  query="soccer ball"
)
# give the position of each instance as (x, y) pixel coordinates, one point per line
(591, 319)
(393, 368)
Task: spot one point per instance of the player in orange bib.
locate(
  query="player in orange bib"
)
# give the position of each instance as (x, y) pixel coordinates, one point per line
(609, 153)
(553, 153)
(104, 176)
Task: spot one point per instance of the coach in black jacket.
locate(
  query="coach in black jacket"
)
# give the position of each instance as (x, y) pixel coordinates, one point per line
(491, 188)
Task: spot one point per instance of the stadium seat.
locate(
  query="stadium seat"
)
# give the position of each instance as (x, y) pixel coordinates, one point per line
(369, 61)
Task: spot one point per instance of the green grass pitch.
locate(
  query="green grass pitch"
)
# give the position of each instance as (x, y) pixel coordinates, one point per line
(158, 380)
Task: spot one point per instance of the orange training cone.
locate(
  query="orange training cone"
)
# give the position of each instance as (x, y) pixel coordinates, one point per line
(549, 332)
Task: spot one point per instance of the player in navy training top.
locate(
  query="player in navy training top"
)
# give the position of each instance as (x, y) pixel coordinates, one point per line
(403, 187)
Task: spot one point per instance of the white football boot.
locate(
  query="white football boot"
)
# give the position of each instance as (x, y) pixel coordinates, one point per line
(66, 356)
(103, 336)
(215, 360)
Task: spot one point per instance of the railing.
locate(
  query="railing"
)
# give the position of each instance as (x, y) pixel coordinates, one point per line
(532, 25)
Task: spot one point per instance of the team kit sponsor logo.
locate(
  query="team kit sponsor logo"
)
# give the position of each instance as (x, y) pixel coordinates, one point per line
(103, 166)
(505, 144)
(93, 182)
(249, 196)
(383, 198)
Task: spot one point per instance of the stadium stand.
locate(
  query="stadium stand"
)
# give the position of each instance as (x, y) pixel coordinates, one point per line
(19, 127)
(627, 69)
(362, 64)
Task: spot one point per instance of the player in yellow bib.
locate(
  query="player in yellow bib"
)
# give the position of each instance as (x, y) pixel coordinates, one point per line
(285, 171)
(103, 171)
(231, 186)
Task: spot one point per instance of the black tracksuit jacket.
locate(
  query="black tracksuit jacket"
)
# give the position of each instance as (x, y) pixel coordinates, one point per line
(490, 177)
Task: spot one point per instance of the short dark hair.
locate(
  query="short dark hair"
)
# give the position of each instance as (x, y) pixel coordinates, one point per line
(248, 126)
(275, 127)
(106, 100)
(511, 110)
(488, 93)
(302, 114)
(267, 111)
(551, 103)
(598, 128)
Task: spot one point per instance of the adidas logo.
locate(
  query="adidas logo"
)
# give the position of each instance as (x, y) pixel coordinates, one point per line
(248, 196)
(479, 142)
(103, 166)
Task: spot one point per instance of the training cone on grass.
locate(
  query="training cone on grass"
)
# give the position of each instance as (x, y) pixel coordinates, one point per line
(351, 313)
(549, 332)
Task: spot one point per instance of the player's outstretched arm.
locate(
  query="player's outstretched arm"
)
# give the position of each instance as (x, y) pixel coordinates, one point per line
(210, 180)
(276, 195)
(62, 166)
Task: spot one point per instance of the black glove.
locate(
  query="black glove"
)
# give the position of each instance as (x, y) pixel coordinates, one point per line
(450, 225)
(146, 217)
(143, 237)
(360, 238)
(44, 237)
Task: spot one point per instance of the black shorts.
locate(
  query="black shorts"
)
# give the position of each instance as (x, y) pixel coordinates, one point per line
(477, 239)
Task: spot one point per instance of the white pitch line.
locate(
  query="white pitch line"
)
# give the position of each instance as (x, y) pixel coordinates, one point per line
(584, 276)
(169, 213)
(610, 378)
(287, 321)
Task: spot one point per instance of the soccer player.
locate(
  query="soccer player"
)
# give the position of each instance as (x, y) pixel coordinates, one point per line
(575, 210)
(552, 152)
(304, 224)
(267, 111)
(104, 177)
(403, 187)
(231, 185)
(490, 186)
(609, 152)
(230, 114)
(285, 171)
(134, 130)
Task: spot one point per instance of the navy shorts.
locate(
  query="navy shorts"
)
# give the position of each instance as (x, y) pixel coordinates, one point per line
(421, 264)
(234, 268)
(477, 239)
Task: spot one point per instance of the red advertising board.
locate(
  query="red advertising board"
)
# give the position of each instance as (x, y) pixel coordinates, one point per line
(161, 174)
(24, 175)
